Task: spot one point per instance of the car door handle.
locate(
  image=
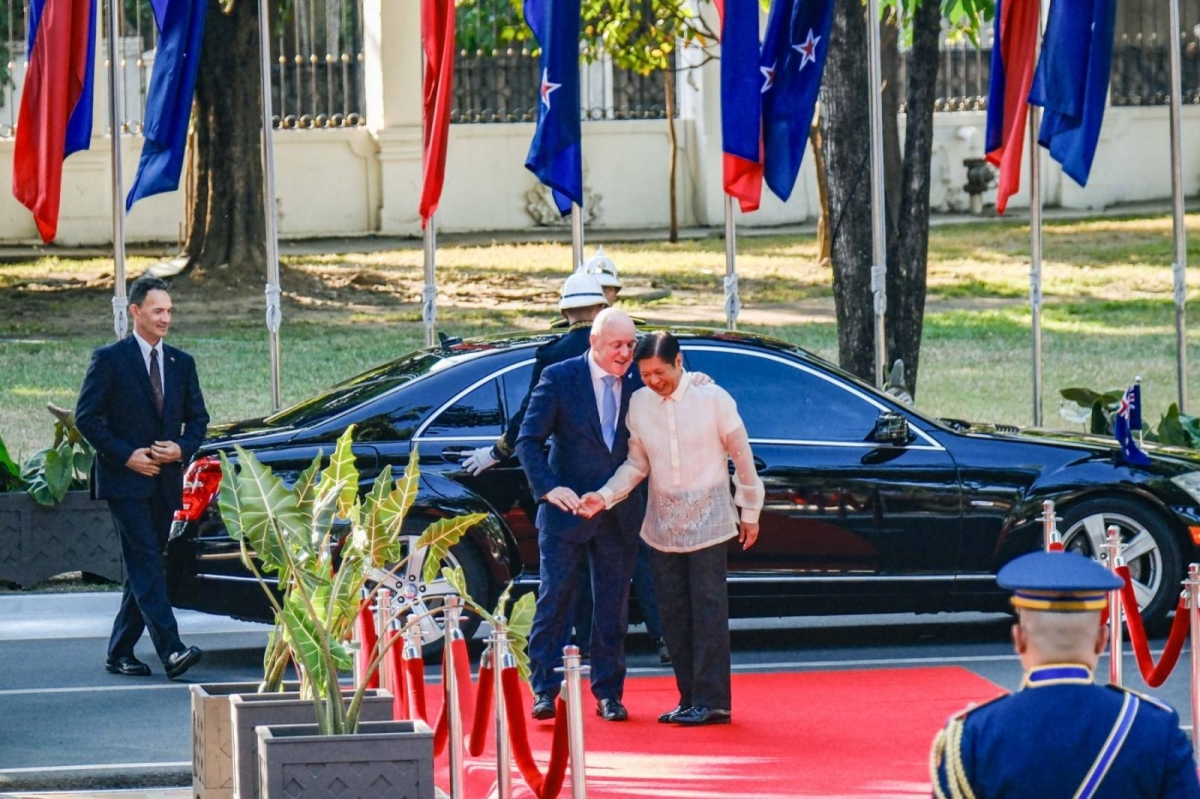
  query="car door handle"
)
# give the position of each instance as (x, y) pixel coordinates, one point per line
(454, 454)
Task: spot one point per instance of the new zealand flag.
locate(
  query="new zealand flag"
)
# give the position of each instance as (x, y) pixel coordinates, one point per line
(556, 155)
(1128, 419)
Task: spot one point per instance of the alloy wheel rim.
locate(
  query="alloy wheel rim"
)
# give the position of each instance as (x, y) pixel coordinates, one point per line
(411, 595)
(1139, 550)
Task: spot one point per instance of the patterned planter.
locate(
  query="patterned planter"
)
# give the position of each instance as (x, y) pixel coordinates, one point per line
(248, 711)
(212, 736)
(37, 542)
(387, 758)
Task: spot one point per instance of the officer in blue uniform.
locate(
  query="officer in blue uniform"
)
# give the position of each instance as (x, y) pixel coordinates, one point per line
(1062, 735)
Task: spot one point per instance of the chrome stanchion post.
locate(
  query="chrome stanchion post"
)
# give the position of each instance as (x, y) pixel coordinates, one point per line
(1050, 534)
(357, 646)
(1193, 601)
(1112, 554)
(573, 672)
(453, 705)
(383, 609)
(502, 658)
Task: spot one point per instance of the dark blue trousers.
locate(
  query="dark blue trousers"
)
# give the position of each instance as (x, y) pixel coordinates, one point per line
(143, 526)
(612, 557)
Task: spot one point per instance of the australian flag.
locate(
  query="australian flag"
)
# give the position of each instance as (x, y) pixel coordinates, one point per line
(793, 60)
(1071, 82)
(1128, 419)
(556, 155)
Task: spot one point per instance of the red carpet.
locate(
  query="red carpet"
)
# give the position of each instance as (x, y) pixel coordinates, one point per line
(815, 734)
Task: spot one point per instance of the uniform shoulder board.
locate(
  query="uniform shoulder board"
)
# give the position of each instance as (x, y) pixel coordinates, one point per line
(1152, 700)
(637, 320)
(559, 324)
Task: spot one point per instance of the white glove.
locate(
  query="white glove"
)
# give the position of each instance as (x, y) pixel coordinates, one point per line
(479, 461)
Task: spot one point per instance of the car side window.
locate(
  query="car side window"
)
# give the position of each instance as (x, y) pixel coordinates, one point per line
(516, 384)
(779, 401)
(476, 415)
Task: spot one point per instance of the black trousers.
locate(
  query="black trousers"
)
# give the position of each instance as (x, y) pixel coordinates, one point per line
(143, 526)
(693, 603)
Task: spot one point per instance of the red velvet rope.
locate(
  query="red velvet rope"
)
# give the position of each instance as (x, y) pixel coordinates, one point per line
(462, 670)
(364, 626)
(1153, 675)
(414, 673)
(547, 787)
(483, 711)
(393, 664)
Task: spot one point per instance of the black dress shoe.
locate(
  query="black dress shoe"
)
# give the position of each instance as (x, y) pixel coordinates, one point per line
(127, 665)
(671, 715)
(543, 707)
(611, 710)
(699, 716)
(179, 662)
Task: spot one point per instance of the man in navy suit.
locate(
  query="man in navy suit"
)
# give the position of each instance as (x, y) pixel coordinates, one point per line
(579, 406)
(141, 409)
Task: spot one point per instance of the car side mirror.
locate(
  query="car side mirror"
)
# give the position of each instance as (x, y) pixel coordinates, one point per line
(891, 428)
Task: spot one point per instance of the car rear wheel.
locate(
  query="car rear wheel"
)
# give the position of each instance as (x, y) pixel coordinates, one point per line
(1147, 546)
(423, 599)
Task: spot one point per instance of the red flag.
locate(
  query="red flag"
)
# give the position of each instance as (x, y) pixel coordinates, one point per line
(437, 31)
(1016, 27)
(48, 126)
(741, 103)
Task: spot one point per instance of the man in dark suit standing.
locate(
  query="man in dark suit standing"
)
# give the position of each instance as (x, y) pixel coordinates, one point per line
(579, 406)
(141, 409)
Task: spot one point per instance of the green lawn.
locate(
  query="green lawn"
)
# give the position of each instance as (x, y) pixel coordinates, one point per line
(1108, 315)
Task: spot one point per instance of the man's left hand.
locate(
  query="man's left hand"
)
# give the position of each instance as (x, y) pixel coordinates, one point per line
(166, 452)
(747, 534)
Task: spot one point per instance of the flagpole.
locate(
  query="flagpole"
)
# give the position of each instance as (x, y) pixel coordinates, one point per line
(576, 236)
(429, 295)
(1179, 266)
(733, 302)
(116, 105)
(878, 231)
(1035, 240)
(274, 312)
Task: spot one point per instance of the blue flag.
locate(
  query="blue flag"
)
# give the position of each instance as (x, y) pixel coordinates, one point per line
(1071, 83)
(793, 60)
(556, 156)
(169, 98)
(1128, 419)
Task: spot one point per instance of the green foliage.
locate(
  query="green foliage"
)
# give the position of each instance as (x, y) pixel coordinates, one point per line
(299, 535)
(518, 624)
(48, 474)
(1096, 410)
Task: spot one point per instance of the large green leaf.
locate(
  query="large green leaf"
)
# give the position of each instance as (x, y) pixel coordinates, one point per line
(305, 487)
(520, 623)
(58, 469)
(10, 473)
(302, 635)
(370, 539)
(439, 537)
(83, 460)
(342, 471)
(257, 507)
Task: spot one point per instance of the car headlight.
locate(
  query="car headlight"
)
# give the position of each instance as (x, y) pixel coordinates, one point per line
(1189, 482)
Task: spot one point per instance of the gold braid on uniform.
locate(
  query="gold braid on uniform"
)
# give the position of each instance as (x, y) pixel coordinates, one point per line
(948, 744)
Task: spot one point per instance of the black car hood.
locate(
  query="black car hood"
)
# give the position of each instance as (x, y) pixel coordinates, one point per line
(1100, 445)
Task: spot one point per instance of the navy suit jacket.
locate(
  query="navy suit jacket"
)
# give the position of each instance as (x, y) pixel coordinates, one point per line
(562, 410)
(116, 414)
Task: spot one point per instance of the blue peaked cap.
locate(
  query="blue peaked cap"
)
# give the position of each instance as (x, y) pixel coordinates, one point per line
(1058, 581)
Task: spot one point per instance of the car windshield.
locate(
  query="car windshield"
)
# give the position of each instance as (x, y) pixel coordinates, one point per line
(359, 389)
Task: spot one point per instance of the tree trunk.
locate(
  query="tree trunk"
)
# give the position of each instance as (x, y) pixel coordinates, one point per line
(669, 91)
(226, 228)
(845, 131)
(907, 268)
(817, 147)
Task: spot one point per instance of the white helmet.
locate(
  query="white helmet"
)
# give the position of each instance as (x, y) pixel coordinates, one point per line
(581, 290)
(604, 269)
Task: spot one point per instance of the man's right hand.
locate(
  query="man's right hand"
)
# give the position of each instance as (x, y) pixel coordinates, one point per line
(142, 462)
(591, 504)
(563, 498)
(479, 461)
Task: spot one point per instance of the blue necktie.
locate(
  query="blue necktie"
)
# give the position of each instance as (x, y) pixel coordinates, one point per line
(608, 411)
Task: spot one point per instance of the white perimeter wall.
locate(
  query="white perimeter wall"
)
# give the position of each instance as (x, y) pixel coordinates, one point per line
(367, 180)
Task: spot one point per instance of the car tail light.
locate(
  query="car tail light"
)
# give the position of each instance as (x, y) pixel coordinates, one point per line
(201, 482)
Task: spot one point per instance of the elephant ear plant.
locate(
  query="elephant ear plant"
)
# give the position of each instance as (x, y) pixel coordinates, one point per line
(321, 540)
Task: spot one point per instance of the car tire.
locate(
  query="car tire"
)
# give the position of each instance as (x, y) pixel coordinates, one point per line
(408, 589)
(1148, 546)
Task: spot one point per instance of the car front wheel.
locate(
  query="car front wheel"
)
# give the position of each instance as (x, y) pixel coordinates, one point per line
(1147, 546)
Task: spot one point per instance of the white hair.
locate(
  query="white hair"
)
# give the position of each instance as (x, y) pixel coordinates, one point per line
(609, 316)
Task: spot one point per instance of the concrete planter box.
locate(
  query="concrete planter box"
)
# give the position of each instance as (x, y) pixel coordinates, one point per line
(248, 711)
(393, 758)
(37, 542)
(212, 736)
